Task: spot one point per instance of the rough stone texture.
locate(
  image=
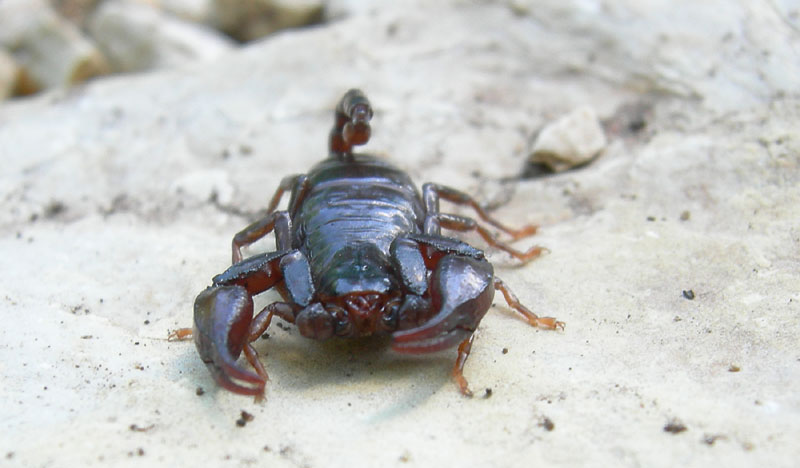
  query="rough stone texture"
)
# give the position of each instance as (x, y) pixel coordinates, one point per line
(121, 197)
(135, 36)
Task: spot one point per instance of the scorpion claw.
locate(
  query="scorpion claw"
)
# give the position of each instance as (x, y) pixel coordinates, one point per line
(462, 291)
(229, 375)
(222, 316)
(428, 339)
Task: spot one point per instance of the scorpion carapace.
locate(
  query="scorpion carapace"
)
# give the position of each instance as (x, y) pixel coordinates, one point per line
(358, 251)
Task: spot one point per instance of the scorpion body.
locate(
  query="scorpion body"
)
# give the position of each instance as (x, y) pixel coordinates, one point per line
(363, 205)
(359, 251)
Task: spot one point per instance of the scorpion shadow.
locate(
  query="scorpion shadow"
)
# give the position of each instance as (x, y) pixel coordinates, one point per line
(361, 365)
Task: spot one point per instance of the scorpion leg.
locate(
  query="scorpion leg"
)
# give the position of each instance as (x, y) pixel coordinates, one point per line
(297, 183)
(279, 221)
(258, 326)
(458, 368)
(463, 224)
(547, 323)
(431, 193)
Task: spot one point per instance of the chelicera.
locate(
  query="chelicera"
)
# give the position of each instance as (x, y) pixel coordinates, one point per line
(358, 252)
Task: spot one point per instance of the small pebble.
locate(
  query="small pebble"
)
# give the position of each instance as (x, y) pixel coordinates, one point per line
(570, 141)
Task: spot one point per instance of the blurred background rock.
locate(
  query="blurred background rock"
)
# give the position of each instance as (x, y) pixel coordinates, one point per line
(54, 43)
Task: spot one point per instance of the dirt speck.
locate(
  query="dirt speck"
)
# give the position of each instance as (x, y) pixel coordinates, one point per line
(709, 439)
(674, 426)
(547, 424)
(244, 418)
(137, 428)
(53, 209)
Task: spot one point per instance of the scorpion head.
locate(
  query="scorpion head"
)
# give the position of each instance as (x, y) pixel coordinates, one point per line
(358, 270)
(358, 296)
(351, 315)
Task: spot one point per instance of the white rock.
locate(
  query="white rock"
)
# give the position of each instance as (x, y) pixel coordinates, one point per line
(570, 141)
(198, 11)
(9, 75)
(77, 11)
(136, 36)
(51, 50)
(250, 19)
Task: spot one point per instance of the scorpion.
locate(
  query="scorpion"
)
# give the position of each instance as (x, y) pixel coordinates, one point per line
(358, 252)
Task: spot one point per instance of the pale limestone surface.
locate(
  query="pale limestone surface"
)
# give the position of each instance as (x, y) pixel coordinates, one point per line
(121, 198)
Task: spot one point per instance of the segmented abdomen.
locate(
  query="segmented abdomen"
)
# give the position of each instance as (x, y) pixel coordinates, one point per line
(343, 213)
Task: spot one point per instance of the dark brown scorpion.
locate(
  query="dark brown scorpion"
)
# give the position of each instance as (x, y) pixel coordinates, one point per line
(358, 252)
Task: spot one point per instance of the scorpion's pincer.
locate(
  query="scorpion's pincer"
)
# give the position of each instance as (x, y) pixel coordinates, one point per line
(461, 291)
(222, 316)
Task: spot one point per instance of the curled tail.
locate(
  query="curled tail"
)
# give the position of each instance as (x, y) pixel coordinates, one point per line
(351, 124)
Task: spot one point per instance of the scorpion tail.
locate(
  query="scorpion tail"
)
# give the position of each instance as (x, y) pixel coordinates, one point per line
(351, 125)
(222, 316)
